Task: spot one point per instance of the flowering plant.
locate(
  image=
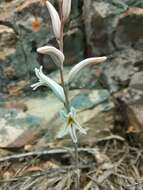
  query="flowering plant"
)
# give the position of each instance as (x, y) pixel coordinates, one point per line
(61, 91)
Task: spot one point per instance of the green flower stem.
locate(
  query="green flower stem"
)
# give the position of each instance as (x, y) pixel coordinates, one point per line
(67, 104)
(77, 177)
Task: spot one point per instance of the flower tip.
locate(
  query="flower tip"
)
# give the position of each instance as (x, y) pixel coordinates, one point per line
(66, 8)
(41, 68)
(41, 50)
(36, 70)
(98, 59)
(38, 50)
(33, 87)
(104, 58)
(56, 22)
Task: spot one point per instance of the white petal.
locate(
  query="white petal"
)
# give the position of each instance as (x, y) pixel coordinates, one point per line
(56, 23)
(66, 8)
(73, 112)
(72, 132)
(82, 64)
(36, 85)
(57, 56)
(63, 132)
(78, 127)
(63, 115)
(46, 81)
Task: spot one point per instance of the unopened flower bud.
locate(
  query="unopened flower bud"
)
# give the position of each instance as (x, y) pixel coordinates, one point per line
(78, 67)
(56, 55)
(56, 22)
(66, 8)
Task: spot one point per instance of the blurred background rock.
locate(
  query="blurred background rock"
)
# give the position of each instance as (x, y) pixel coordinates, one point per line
(96, 28)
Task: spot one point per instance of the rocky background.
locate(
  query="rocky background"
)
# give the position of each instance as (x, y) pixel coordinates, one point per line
(96, 28)
(111, 28)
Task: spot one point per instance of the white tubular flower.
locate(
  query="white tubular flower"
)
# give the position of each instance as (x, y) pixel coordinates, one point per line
(56, 55)
(46, 81)
(82, 64)
(56, 22)
(71, 126)
(66, 8)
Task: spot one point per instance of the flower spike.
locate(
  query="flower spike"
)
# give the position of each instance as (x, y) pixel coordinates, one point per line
(56, 22)
(46, 81)
(77, 68)
(56, 55)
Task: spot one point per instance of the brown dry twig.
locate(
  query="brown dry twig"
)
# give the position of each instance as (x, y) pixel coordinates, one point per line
(47, 152)
(51, 172)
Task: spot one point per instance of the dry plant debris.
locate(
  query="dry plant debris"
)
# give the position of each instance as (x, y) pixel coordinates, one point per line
(112, 164)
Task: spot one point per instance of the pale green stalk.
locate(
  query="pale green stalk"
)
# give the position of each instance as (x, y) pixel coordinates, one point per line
(67, 104)
(60, 41)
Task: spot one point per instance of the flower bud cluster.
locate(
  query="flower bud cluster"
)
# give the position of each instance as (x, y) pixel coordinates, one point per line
(55, 18)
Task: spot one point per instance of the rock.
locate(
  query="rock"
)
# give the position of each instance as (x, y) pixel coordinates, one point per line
(135, 119)
(129, 32)
(133, 95)
(111, 26)
(128, 120)
(90, 99)
(135, 101)
(136, 81)
(7, 42)
(112, 29)
(98, 20)
(121, 67)
(17, 128)
(131, 103)
(16, 89)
